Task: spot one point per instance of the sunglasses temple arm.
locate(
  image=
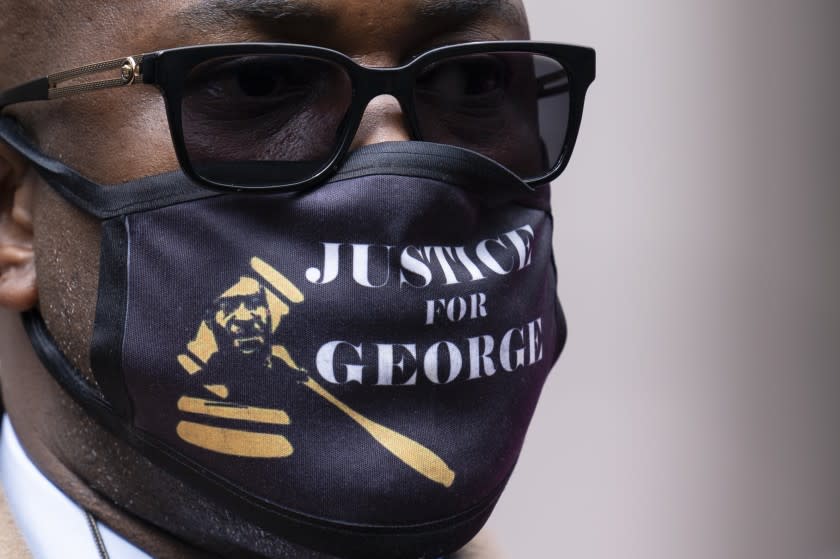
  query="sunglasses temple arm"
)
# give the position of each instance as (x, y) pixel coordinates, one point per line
(130, 71)
(36, 90)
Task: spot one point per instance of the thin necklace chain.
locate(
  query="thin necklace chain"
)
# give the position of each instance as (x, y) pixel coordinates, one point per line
(97, 536)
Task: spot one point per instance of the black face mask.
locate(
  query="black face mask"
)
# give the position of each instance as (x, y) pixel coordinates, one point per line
(353, 367)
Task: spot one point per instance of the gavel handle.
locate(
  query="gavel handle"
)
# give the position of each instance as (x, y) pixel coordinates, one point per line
(412, 453)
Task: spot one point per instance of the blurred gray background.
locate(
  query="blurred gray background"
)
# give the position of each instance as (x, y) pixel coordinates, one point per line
(696, 410)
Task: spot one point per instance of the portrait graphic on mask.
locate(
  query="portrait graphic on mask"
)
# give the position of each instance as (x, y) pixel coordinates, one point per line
(239, 334)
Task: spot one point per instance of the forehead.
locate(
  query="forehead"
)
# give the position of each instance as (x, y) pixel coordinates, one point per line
(352, 26)
(370, 14)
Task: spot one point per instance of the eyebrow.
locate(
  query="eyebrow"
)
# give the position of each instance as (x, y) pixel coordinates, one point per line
(310, 13)
(221, 12)
(465, 10)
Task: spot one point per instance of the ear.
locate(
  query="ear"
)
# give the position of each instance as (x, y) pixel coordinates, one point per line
(18, 289)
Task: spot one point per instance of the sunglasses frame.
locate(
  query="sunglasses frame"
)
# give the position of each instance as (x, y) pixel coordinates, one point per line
(168, 69)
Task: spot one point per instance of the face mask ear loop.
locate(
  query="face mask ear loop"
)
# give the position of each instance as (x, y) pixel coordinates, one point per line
(70, 378)
(103, 201)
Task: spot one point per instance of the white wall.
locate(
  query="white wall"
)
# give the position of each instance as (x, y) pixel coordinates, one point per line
(696, 409)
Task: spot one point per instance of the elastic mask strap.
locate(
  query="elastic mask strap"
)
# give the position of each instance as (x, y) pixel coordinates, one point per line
(495, 184)
(70, 378)
(98, 200)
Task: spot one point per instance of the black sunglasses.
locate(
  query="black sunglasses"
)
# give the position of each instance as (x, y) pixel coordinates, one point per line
(283, 116)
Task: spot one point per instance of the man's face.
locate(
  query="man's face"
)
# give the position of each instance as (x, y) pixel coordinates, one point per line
(245, 321)
(49, 250)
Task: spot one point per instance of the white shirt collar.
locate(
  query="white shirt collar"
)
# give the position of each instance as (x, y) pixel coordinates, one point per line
(53, 526)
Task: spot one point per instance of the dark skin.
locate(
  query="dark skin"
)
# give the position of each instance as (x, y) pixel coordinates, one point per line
(49, 251)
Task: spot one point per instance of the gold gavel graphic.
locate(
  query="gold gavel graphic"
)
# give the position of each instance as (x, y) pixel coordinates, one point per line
(279, 292)
(267, 445)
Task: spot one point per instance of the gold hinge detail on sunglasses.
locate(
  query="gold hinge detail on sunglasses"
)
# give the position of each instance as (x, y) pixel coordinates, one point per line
(129, 68)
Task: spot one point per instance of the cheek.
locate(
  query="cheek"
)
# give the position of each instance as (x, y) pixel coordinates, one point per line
(67, 269)
(261, 315)
(109, 136)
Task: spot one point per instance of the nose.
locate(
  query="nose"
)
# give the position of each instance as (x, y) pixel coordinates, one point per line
(382, 121)
(242, 313)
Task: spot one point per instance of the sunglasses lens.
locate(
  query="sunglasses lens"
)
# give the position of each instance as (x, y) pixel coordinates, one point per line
(512, 107)
(263, 120)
